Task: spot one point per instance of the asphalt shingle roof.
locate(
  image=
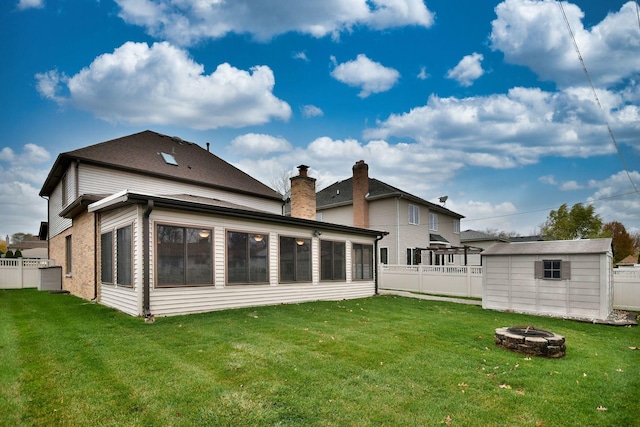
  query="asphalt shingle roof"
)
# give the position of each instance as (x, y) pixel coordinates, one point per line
(141, 153)
(341, 193)
(551, 247)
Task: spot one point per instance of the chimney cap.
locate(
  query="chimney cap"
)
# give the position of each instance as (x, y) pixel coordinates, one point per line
(303, 168)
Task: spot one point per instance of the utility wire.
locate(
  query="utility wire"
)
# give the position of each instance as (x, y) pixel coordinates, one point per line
(595, 94)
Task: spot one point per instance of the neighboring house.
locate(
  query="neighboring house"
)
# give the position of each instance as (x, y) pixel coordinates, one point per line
(420, 232)
(629, 261)
(153, 225)
(479, 240)
(30, 248)
(568, 278)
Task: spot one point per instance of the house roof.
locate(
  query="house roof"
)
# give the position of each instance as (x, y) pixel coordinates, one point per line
(341, 193)
(551, 247)
(479, 236)
(145, 152)
(629, 260)
(219, 207)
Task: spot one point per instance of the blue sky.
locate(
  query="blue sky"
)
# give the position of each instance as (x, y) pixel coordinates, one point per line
(483, 101)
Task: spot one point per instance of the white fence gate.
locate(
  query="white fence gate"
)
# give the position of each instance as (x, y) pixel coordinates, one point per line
(18, 273)
(466, 281)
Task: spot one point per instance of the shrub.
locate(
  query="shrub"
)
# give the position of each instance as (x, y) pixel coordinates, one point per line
(9, 254)
(17, 254)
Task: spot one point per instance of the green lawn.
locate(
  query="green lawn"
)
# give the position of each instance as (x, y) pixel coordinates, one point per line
(377, 361)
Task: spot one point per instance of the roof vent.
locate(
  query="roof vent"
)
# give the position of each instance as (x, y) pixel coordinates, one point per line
(169, 159)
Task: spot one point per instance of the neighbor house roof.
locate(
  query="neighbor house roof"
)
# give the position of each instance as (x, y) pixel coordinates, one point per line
(479, 236)
(146, 152)
(341, 194)
(551, 247)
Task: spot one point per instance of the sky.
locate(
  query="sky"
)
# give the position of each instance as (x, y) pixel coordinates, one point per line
(510, 108)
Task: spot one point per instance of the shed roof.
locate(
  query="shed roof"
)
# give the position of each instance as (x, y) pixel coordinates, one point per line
(146, 152)
(551, 247)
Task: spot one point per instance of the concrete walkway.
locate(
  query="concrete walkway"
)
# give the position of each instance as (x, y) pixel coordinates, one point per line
(429, 297)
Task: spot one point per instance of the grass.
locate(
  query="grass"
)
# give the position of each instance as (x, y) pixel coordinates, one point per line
(378, 361)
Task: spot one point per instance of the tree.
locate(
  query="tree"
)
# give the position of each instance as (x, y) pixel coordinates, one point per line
(20, 237)
(578, 223)
(501, 233)
(621, 240)
(282, 184)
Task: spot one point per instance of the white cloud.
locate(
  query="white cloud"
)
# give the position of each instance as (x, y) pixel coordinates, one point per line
(481, 215)
(370, 76)
(162, 85)
(300, 55)
(616, 198)
(30, 4)
(548, 179)
(514, 129)
(468, 70)
(188, 21)
(423, 75)
(533, 33)
(255, 144)
(570, 185)
(311, 111)
(23, 173)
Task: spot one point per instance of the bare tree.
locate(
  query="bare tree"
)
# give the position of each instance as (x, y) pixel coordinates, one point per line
(282, 183)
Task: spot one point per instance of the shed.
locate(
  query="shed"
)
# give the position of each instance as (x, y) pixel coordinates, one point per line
(566, 278)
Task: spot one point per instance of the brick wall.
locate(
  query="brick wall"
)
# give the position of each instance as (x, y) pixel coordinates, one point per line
(303, 195)
(81, 280)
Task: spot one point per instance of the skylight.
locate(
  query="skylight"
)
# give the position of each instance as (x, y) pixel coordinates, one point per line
(169, 159)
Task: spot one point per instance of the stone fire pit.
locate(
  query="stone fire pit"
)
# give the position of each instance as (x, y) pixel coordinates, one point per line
(531, 340)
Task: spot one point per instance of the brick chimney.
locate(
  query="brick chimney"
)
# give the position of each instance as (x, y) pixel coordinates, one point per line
(360, 192)
(303, 195)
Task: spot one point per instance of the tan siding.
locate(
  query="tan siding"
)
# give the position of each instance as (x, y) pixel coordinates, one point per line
(57, 224)
(166, 302)
(125, 299)
(98, 180)
(339, 215)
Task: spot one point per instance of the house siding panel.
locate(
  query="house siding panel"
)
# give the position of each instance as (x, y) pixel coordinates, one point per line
(99, 180)
(125, 299)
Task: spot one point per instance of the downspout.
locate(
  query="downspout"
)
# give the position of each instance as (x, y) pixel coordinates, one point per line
(146, 305)
(96, 232)
(377, 263)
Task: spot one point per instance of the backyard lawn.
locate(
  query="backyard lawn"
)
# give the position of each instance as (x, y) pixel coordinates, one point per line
(377, 361)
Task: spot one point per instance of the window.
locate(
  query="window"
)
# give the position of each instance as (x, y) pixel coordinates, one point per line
(124, 256)
(106, 257)
(319, 216)
(433, 221)
(456, 226)
(295, 259)
(247, 258)
(332, 260)
(362, 256)
(414, 256)
(384, 255)
(414, 215)
(553, 269)
(183, 256)
(68, 253)
(451, 258)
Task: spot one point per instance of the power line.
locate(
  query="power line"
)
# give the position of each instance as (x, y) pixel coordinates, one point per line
(595, 94)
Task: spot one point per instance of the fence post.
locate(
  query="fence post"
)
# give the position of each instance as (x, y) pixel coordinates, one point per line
(20, 265)
(468, 269)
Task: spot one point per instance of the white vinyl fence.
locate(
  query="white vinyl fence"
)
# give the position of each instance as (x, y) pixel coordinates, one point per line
(626, 288)
(18, 273)
(466, 281)
(459, 281)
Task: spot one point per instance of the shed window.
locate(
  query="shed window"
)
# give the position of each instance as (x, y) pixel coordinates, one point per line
(553, 269)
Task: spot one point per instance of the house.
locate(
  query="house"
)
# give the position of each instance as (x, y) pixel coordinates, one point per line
(479, 240)
(151, 224)
(629, 261)
(420, 232)
(566, 278)
(30, 248)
